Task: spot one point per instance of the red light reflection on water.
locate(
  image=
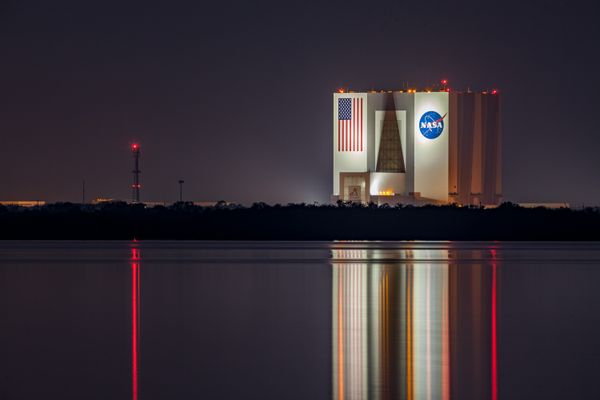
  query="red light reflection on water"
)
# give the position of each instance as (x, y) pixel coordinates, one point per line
(135, 306)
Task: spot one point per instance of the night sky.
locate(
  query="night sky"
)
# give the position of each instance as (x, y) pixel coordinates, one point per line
(235, 97)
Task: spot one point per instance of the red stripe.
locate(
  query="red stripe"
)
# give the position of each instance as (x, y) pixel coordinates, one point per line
(354, 101)
(352, 127)
(352, 124)
(361, 125)
(357, 136)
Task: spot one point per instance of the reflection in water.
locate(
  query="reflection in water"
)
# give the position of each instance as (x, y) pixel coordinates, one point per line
(494, 334)
(135, 318)
(418, 328)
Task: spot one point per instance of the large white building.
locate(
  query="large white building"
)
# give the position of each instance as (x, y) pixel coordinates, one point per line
(417, 147)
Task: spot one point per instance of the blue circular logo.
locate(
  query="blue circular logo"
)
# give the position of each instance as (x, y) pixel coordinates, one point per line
(431, 124)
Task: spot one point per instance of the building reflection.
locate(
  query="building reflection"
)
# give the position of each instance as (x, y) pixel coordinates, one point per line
(417, 326)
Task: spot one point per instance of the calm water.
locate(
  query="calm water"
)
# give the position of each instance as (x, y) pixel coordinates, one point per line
(289, 320)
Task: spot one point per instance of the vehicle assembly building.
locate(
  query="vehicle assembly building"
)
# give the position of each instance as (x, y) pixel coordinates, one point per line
(417, 147)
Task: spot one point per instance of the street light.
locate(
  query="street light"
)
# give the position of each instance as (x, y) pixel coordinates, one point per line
(181, 190)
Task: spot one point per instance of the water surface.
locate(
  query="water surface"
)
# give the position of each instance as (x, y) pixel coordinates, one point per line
(298, 320)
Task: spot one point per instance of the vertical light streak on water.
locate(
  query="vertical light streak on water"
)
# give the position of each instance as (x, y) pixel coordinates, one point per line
(445, 395)
(135, 294)
(352, 331)
(421, 326)
(374, 312)
(494, 338)
(339, 327)
(382, 348)
(363, 326)
(428, 330)
(410, 333)
(420, 332)
(357, 330)
(401, 334)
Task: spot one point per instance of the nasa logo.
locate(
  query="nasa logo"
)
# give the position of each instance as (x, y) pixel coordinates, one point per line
(431, 124)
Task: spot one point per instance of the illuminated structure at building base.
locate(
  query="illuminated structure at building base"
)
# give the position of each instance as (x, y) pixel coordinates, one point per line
(414, 147)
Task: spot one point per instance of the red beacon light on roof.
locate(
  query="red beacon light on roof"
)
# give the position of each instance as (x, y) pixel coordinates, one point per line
(444, 82)
(494, 91)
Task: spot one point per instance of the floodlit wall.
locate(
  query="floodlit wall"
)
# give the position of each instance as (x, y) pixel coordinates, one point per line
(431, 153)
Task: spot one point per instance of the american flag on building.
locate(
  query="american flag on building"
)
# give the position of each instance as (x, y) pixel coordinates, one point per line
(350, 130)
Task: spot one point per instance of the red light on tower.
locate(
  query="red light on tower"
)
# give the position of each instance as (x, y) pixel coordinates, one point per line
(444, 82)
(494, 91)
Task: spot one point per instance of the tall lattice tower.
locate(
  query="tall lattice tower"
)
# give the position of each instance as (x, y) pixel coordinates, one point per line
(135, 150)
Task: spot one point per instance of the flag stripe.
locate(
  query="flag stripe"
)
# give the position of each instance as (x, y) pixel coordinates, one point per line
(344, 134)
(361, 125)
(347, 135)
(356, 125)
(352, 126)
(354, 118)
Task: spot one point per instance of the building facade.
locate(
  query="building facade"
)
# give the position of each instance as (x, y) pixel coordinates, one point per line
(412, 147)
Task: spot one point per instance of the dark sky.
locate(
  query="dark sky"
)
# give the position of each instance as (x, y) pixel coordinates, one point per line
(235, 96)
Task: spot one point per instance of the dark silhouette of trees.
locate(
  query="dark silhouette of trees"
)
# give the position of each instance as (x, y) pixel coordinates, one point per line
(261, 221)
